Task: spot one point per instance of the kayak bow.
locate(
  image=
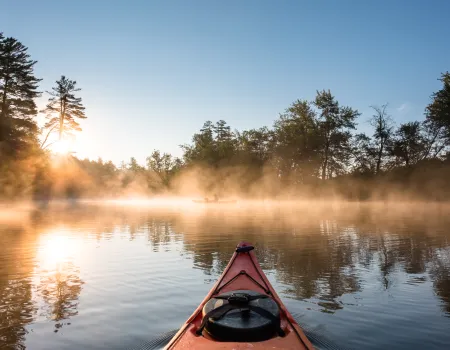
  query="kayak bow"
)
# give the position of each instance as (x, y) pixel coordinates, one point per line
(242, 310)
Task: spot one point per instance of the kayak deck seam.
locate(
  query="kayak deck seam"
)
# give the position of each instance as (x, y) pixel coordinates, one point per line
(243, 272)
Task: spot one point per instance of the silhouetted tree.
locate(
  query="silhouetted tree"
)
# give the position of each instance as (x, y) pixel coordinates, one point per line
(64, 108)
(255, 146)
(409, 143)
(297, 142)
(214, 145)
(383, 129)
(163, 165)
(310, 140)
(224, 141)
(18, 89)
(134, 166)
(438, 119)
(334, 124)
(202, 149)
(364, 154)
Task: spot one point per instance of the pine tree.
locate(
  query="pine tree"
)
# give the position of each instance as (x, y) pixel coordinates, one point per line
(64, 108)
(18, 89)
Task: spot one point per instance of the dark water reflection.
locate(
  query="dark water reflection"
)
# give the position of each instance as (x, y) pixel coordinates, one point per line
(109, 276)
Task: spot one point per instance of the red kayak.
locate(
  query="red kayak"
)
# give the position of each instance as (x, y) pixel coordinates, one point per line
(242, 311)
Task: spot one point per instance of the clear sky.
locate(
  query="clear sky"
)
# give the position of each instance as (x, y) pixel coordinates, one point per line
(153, 71)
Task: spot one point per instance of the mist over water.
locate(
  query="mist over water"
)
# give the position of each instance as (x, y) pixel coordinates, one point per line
(111, 274)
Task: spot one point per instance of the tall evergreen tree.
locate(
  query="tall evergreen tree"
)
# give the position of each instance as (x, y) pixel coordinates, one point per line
(18, 89)
(64, 108)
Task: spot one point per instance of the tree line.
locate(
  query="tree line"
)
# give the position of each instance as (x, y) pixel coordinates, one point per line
(312, 148)
(23, 144)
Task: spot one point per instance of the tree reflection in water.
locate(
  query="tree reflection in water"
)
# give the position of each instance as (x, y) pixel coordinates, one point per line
(17, 309)
(323, 259)
(317, 253)
(440, 272)
(60, 290)
(59, 282)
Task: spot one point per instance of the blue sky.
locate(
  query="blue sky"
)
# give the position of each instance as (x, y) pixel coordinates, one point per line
(153, 71)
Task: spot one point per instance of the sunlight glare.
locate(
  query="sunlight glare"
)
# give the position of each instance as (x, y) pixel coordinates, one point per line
(55, 249)
(61, 147)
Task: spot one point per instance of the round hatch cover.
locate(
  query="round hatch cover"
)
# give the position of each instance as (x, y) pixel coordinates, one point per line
(241, 322)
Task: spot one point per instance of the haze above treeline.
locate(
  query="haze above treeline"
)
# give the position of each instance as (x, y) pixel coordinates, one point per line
(312, 150)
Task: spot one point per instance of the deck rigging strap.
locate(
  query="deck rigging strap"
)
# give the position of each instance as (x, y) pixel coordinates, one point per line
(246, 250)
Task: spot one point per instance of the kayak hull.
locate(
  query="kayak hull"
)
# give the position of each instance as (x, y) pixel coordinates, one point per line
(242, 273)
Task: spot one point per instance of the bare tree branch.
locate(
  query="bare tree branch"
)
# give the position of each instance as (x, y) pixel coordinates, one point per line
(46, 138)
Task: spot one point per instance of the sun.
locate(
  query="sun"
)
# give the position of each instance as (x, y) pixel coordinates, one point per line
(61, 147)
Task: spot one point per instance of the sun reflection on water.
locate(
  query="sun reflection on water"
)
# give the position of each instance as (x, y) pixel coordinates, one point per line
(58, 277)
(55, 249)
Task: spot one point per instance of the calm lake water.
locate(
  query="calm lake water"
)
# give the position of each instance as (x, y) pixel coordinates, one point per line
(112, 275)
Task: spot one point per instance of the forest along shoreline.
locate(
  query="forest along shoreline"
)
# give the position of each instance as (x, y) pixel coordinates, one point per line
(312, 150)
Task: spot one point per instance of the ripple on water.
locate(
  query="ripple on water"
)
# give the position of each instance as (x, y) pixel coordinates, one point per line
(107, 276)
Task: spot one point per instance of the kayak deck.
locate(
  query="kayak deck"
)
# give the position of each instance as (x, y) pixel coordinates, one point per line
(242, 273)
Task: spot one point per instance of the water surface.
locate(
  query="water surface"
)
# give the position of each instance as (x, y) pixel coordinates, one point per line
(111, 275)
